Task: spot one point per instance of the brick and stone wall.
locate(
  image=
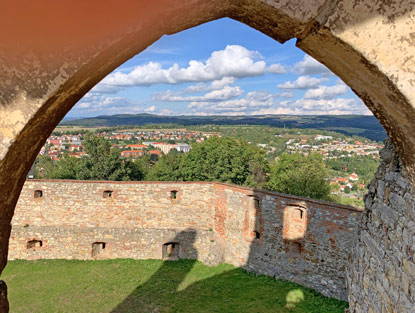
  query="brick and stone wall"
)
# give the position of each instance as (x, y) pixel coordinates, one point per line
(297, 239)
(381, 273)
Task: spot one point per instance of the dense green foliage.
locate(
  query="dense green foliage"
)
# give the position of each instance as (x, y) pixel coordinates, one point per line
(365, 166)
(217, 159)
(225, 160)
(302, 176)
(358, 203)
(127, 286)
(167, 168)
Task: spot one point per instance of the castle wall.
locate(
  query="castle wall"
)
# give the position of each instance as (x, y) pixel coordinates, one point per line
(293, 238)
(300, 240)
(134, 222)
(381, 273)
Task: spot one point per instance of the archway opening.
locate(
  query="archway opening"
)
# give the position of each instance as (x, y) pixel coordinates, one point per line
(51, 97)
(206, 84)
(240, 78)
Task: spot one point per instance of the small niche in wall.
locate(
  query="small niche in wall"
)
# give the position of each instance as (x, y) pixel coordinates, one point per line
(98, 248)
(257, 203)
(38, 194)
(294, 247)
(173, 194)
(107, 194)
(253, 220)
(32, 244)
(256, 235)
(170, 251)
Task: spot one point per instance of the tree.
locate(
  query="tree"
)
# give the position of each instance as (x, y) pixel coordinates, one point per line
(140, 167)
(335, 187)
(66, 168)
(347, 189)
(168, 168)
(43, 166)
(302, 176)
(101, 163)
(154, 158)
(225, 160)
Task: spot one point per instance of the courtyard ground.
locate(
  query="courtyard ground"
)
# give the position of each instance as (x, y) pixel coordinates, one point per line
(123, 286)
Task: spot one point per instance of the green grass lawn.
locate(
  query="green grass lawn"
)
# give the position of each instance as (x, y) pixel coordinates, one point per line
(121, 286)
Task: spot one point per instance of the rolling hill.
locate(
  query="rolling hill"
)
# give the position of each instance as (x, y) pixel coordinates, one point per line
(360, 125)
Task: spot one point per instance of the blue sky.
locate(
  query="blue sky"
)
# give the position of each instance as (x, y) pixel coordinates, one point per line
(220, 68)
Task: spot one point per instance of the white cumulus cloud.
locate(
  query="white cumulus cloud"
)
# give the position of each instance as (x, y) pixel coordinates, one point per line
(216, 84)
(103, 88)
(150, 109)
(326, 106)
(286, 94)
(326, 92)
(225, 93)
(270, 111)
(234, 61)
(253, 101)
(302, 82)
(309, 66)
(276, 69)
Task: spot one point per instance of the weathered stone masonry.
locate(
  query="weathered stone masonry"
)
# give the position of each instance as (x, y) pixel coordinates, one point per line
(381, 273)
(298, 239)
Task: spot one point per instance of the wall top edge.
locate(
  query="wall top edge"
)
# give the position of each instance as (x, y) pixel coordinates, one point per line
(247, 190)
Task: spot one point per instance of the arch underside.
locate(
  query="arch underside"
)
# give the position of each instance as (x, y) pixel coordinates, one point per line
(48, 61)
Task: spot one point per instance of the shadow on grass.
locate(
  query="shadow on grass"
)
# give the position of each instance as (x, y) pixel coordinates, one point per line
(173, 288)
(157, 292)
(230, 291)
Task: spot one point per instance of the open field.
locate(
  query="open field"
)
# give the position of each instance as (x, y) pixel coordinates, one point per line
(123, 129)
(75, 128)
(123, 286)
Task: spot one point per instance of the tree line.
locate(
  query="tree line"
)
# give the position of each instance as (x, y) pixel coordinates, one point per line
(221, 159)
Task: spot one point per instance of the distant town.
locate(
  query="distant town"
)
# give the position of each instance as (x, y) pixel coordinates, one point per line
(337, 150)
(133, 144)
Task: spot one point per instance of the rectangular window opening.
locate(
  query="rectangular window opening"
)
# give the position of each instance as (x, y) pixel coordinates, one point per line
(173, 194)
(171, 251)
(256, 201)
(98, 248)
(107, 194)
(38, 194)
(32, 244)
(294, 247)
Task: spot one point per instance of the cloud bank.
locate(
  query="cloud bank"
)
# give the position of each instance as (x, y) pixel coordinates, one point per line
(234, 61)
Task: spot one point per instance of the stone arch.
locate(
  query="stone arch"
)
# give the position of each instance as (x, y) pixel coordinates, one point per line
(53, 52)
